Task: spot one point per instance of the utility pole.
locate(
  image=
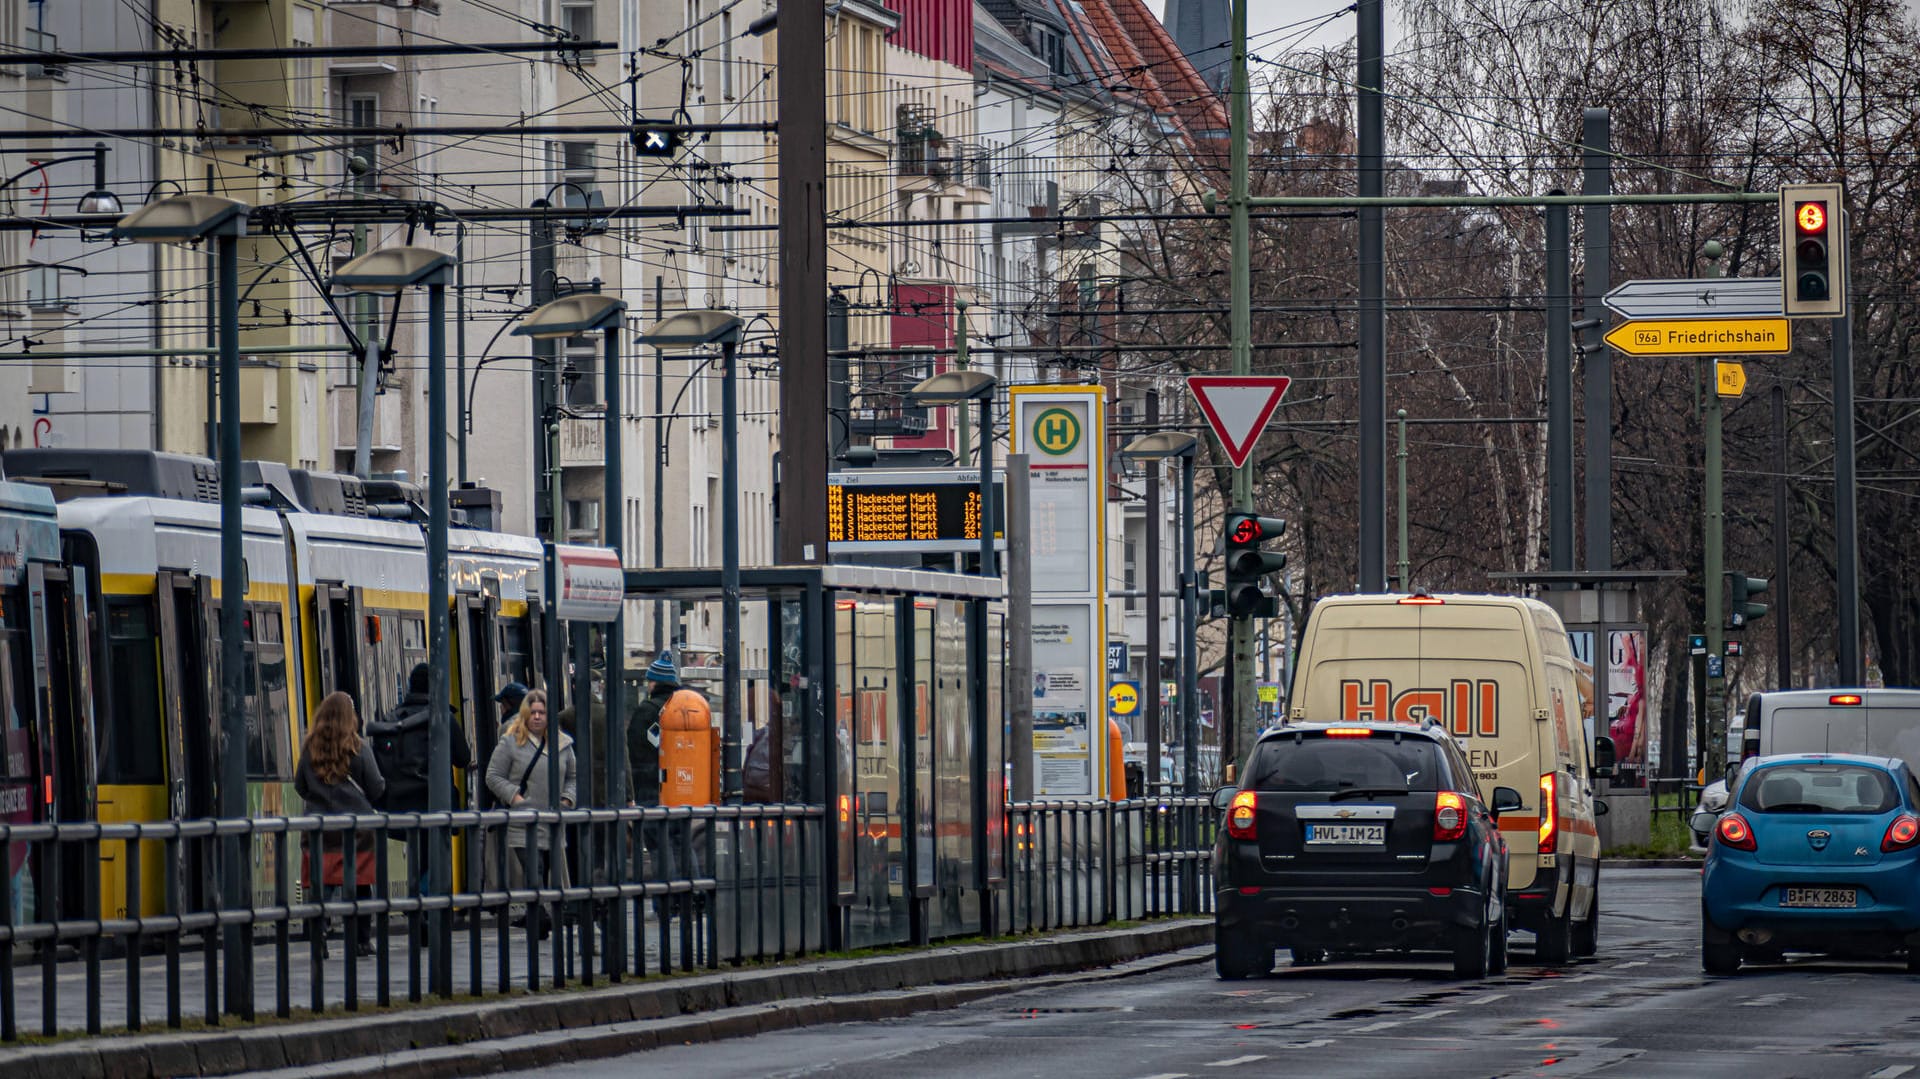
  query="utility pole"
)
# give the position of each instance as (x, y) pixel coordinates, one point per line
(1402, 564)
(1559, 389)
(802, 189)
(1846, 509)
(1782, 534)
(1240, 710)
(1150, 679)
(1373, 290)
(1597, 363)
(1714, 571)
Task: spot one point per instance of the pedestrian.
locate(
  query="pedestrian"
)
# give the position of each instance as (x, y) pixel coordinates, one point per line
(508, 699)
(337, 775)
(597, 749)
(643, 760)
(402, 746)
(517, 776)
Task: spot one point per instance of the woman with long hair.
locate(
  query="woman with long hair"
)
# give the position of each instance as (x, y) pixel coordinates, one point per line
(517, 778)
(337, 775)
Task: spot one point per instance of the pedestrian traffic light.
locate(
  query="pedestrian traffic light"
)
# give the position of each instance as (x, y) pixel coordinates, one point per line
(1741, 607)
(1248, 565)
(1813, 250)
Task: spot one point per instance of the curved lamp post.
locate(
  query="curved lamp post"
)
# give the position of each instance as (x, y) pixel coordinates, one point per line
(697, 329)
(184, 219)
(389, 271)
(98, 202)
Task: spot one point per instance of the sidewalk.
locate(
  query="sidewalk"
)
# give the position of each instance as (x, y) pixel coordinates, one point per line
(531, 1031)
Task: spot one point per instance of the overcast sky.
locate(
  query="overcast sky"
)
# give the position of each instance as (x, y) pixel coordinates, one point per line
(1322, 22)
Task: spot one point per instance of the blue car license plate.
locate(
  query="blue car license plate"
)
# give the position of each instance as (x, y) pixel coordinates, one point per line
(1346, 835)
(1820, 898)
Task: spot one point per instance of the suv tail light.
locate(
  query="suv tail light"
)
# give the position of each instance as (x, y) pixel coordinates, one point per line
(1449, 816)
(1549, 814)
(1735, 832)
(1241, 813)
(1904, 832)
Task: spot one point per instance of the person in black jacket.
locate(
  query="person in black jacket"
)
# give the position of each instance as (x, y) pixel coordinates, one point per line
(337, 775)
(402, 746)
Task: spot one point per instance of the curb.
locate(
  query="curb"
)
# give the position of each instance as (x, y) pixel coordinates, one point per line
(535, 1030)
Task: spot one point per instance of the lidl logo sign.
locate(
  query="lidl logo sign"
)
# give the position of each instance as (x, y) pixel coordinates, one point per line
(1056, 431)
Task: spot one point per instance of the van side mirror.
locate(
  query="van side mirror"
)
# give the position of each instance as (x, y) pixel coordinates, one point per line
(1223, 797)
(1600, 807)
(1506, 800)
(1603, 757)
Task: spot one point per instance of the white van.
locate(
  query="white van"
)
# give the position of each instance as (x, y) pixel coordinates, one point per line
(1873, 722)
(1499, 674)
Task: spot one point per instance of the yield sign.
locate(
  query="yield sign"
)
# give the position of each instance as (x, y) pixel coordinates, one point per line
(1238, 407)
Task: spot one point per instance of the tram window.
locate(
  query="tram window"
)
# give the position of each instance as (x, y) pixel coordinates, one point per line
(413, 643)
(131, 751)
(514, 651)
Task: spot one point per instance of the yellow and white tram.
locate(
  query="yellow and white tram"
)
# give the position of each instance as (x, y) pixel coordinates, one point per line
(335, 600)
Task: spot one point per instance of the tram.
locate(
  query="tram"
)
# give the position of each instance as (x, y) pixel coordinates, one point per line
(121, 612)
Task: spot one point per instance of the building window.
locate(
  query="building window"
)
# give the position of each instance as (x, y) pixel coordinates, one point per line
(575, 165)
(581, 373)
(1130, 561)
(727, 87)
(363, 110)
(43, 289)
(576, 18)
(583, 517)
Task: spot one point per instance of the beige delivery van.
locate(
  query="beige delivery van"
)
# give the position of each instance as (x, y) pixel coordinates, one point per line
(1498, 673)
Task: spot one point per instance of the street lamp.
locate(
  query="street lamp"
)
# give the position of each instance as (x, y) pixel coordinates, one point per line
(576, 315)
(388, 271)
(188, 219)
(98, 202)
(696, 329)
(1159, 446)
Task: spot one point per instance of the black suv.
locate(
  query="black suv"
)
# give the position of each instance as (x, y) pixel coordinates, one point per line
(1359, 837)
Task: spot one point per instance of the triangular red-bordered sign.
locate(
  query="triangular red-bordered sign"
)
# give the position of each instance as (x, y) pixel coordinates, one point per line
(1238, 407)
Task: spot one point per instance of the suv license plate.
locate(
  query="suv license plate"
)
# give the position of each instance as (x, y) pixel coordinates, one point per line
(1349, 835)
(1819, 897)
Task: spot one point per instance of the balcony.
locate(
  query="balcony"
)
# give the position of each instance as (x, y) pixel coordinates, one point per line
(582, 442)
(972, 169)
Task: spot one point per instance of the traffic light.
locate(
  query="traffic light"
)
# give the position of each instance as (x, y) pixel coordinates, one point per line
(655, 140)
(1248, 565)
(1741, 608)
(1813, 250)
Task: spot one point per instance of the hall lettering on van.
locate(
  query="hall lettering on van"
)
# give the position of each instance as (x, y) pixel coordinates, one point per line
(1466, 707)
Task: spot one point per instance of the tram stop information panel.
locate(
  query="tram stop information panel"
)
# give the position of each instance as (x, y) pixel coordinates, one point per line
(926, 510)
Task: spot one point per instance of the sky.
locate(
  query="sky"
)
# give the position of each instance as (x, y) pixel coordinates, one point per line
(1322, 22)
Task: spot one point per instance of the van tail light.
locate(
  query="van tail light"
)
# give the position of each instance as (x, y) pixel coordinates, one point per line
(1449, 816)
(1734, 831)
(1904, 832)
(1241, 813)
(1549, 814)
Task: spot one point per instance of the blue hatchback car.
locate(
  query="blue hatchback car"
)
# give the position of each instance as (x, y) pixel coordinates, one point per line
(1815, 853)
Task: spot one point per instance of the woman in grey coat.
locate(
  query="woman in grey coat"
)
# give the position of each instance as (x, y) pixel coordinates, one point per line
(517, 778)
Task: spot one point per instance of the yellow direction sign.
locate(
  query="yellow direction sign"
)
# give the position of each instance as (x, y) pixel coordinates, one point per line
(1730, 377)
(1703, 337)
(1123, 698)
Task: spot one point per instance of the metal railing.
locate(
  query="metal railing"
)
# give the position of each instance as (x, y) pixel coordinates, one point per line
(635, 890)
(1088, 863)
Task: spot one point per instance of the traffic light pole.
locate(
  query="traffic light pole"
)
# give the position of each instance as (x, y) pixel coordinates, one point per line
(1713, 571)
(1240, 629)
(1846, 511)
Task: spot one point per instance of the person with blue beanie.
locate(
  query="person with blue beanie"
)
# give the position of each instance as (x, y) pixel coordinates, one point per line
(643, 732)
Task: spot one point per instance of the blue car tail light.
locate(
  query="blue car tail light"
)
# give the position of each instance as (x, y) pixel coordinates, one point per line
(1735, 832)
(1904, 832)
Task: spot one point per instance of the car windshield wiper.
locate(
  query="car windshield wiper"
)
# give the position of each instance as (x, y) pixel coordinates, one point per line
(1365, 792)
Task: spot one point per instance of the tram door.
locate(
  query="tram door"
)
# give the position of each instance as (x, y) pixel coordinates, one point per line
(187, 677)
(335, 614)
(64, 700)
(472, 699)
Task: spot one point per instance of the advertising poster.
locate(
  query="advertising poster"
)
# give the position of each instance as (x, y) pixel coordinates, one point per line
(1062, 713)
(1635, 742)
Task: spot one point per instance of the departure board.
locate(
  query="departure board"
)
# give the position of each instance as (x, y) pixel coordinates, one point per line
(902, 511)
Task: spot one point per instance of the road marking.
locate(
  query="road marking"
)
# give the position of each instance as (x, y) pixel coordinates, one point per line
(1167, 1075)
(1625, 966)
(1489, 998)
(1317, 1043)
(1237, 1060)
(1891, 1071)
(1767, 1001)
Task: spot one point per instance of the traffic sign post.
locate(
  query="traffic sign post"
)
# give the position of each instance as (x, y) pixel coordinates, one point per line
(1701, 337)
(1238, 407)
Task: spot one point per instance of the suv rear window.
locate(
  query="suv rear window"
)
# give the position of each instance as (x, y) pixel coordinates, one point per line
(1318, 763)
(1819, 788)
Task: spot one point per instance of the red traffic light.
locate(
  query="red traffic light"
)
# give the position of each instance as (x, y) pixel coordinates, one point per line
(1246, 532)
(1810, 216)
(1251, 530)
